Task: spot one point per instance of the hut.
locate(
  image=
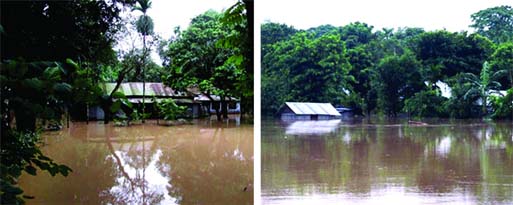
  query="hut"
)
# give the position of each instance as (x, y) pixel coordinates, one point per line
(154, 93)
(233, 104)
(308, 111)
(197, 104)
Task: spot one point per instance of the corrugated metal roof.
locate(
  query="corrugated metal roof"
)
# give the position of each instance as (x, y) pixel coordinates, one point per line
(150, 100)
(301, 108)
(204, 98)
(136, 89)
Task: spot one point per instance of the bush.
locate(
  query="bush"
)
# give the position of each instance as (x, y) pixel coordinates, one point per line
(170, 110)
(427, 103)
(502, 106)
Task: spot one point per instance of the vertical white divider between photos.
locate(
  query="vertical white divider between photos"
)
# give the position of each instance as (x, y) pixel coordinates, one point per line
(257, 111)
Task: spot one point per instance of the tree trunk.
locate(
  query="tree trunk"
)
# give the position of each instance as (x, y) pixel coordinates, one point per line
(242, 110)
(224, 107)
(213, 103)
(106, 110)
(144, 78)
(218, 113)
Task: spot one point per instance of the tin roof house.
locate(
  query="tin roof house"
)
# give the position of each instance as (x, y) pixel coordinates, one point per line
(308, 111)
(197, 104)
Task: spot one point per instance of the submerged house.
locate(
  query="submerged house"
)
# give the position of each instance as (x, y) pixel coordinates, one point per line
(233, 104)
(154, 93)
(197, 104)
(308, 111)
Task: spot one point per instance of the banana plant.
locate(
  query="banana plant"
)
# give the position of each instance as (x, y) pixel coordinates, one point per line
(483, 85)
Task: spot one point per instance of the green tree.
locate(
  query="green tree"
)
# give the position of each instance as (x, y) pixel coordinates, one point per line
(502, 60)
(272, 33)
(495, 23)
(144, 26)
(356, 33)
(309, 68)
(426, 103)
(445, 54)
(194, 59)
(239, 20)
(362, 62)
(399, 78)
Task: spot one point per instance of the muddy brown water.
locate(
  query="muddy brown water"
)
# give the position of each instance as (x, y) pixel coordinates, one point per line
(387, 162)
(204, 163)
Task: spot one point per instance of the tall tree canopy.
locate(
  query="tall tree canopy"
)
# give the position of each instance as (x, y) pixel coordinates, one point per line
(239, 19)
(502, 60)
(310, 68)
(495, 23)
(389, 71)
(445, 54)
(398, 79)
(197, 58)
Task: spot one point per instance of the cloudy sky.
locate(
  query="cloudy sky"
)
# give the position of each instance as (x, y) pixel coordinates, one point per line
(453, 15)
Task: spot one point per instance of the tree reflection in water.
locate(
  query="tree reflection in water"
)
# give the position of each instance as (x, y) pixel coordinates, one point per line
(214, 167)
(148, 164)
(361, 162)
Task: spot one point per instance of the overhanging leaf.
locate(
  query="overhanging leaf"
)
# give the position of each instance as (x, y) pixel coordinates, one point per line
(118, 94)
(62, 87)
(31, 170)
(115, 106)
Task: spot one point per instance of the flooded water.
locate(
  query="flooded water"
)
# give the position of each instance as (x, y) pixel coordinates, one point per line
(204, 163)
(387, 162)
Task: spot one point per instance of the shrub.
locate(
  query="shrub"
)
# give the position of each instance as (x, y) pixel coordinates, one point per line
(427, 103)
(502, 106)
(170, 110)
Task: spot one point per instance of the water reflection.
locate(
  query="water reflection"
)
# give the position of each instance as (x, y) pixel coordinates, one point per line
(313, 127)
(205, 163)
(389, 163)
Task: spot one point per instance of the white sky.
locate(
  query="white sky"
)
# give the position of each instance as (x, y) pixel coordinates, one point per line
(167, 14)
(453, 15)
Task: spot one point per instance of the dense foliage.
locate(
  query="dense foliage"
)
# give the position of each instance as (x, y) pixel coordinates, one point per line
(30, 91)
(212, 54)
(391, 71)
(56, 30)
(495, 23)
(53, 53)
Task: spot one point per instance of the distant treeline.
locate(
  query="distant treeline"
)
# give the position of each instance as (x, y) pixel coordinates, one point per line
(389, 71)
